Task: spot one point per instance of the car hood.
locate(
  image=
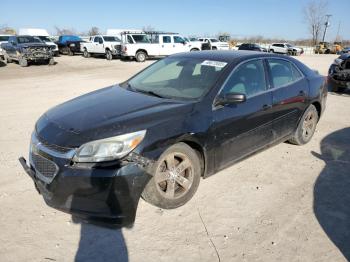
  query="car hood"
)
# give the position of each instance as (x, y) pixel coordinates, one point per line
(105, 113)
(25, 45)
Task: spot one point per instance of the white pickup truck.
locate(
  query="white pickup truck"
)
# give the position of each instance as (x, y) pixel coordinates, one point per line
(142, 45)
(101, 45)
(215, 44)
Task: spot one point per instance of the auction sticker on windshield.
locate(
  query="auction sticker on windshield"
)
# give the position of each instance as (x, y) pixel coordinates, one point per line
(214, 63)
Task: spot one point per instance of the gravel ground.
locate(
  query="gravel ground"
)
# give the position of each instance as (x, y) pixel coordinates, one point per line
(288, 203)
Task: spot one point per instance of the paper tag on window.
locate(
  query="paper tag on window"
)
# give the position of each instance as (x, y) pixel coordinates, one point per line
(214, 63)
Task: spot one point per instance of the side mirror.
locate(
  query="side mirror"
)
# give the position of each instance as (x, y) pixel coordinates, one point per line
(231, 98)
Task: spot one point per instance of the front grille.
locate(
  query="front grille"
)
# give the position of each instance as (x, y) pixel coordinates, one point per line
(44, 166)
(53, 147)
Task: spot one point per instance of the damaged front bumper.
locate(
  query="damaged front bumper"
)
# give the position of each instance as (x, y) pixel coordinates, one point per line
(104, 194)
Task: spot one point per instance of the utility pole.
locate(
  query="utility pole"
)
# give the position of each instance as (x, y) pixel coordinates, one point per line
(326, 25)
(338, 36)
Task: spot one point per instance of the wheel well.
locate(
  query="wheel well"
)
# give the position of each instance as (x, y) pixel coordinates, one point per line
(107, 49)
(141, 50)
(318, 108)
(194, 49)
(200, 152)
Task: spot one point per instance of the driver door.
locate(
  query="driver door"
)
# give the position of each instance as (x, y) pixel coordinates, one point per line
(242, 128)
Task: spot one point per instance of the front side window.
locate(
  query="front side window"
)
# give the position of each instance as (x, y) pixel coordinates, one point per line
(178, 40)
(248, 79)
(166, 39)
(283, 72)
(178, 78)
(97, 39)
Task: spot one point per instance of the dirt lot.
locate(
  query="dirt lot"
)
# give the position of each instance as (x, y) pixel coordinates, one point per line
(287, 203)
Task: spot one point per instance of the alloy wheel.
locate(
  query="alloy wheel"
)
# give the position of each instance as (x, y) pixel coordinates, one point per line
(174, 176)
(309, 125)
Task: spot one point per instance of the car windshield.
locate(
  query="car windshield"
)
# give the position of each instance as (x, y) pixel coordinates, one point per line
(178, 78)
(45, 38)
(141, 39)
(28, 39)
(214, 40)
(4, 38)
(111, 39)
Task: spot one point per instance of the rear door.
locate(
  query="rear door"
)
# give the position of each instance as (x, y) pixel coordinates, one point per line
(289, 91)
(240, 129)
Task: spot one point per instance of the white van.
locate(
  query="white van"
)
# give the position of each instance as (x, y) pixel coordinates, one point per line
(42, 34)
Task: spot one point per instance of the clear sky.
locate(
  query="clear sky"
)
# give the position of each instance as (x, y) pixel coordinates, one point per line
(269, 18)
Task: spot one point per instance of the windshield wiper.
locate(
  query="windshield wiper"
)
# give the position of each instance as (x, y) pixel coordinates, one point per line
(148, 93)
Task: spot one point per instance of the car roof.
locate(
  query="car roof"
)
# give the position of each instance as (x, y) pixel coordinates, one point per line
(226, 55)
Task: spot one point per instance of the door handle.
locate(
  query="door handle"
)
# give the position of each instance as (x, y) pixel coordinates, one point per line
(301, 93)
(265, 107)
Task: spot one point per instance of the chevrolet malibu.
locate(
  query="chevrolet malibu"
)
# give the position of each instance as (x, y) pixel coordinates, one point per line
(155, 135)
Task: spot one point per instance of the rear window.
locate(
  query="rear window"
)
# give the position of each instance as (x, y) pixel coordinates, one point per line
(111, 38)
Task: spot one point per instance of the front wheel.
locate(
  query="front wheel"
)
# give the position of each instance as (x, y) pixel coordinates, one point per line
(109, 55)
(306, 127)
(86, 54)
(194, 49)
(23, 62)
(176, 177)
(51, 61)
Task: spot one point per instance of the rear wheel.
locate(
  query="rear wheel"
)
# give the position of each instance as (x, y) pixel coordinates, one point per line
(306, 127)
(141, 56)
(176, 176)
(194, 49)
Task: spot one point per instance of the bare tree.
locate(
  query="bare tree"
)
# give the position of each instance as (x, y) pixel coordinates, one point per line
(65, 31)
(94, 31)
(4, 29)
(314, 14)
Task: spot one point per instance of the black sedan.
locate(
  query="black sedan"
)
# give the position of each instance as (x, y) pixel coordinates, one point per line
(339, 74)
(155, 135)
(252, 47)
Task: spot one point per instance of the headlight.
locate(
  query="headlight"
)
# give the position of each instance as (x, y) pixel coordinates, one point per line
(109, 148)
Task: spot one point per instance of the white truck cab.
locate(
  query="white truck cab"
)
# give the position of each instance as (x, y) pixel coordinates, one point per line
(42, 34)
(215, 43)
(107, 45)
(152, 44)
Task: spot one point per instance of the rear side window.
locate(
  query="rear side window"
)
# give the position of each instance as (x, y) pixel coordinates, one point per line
(283, 72)
(166, 39)
(248, 79)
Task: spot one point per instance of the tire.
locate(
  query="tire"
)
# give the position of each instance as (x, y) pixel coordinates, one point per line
(306, 127)
(86, 54)
(23, 62)
(194, 49)
(271, 51)
(141, 56)
(7, 58)
(109, 55)
(70, 52)
(51, 61)
(171, 189)
(214, 48)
